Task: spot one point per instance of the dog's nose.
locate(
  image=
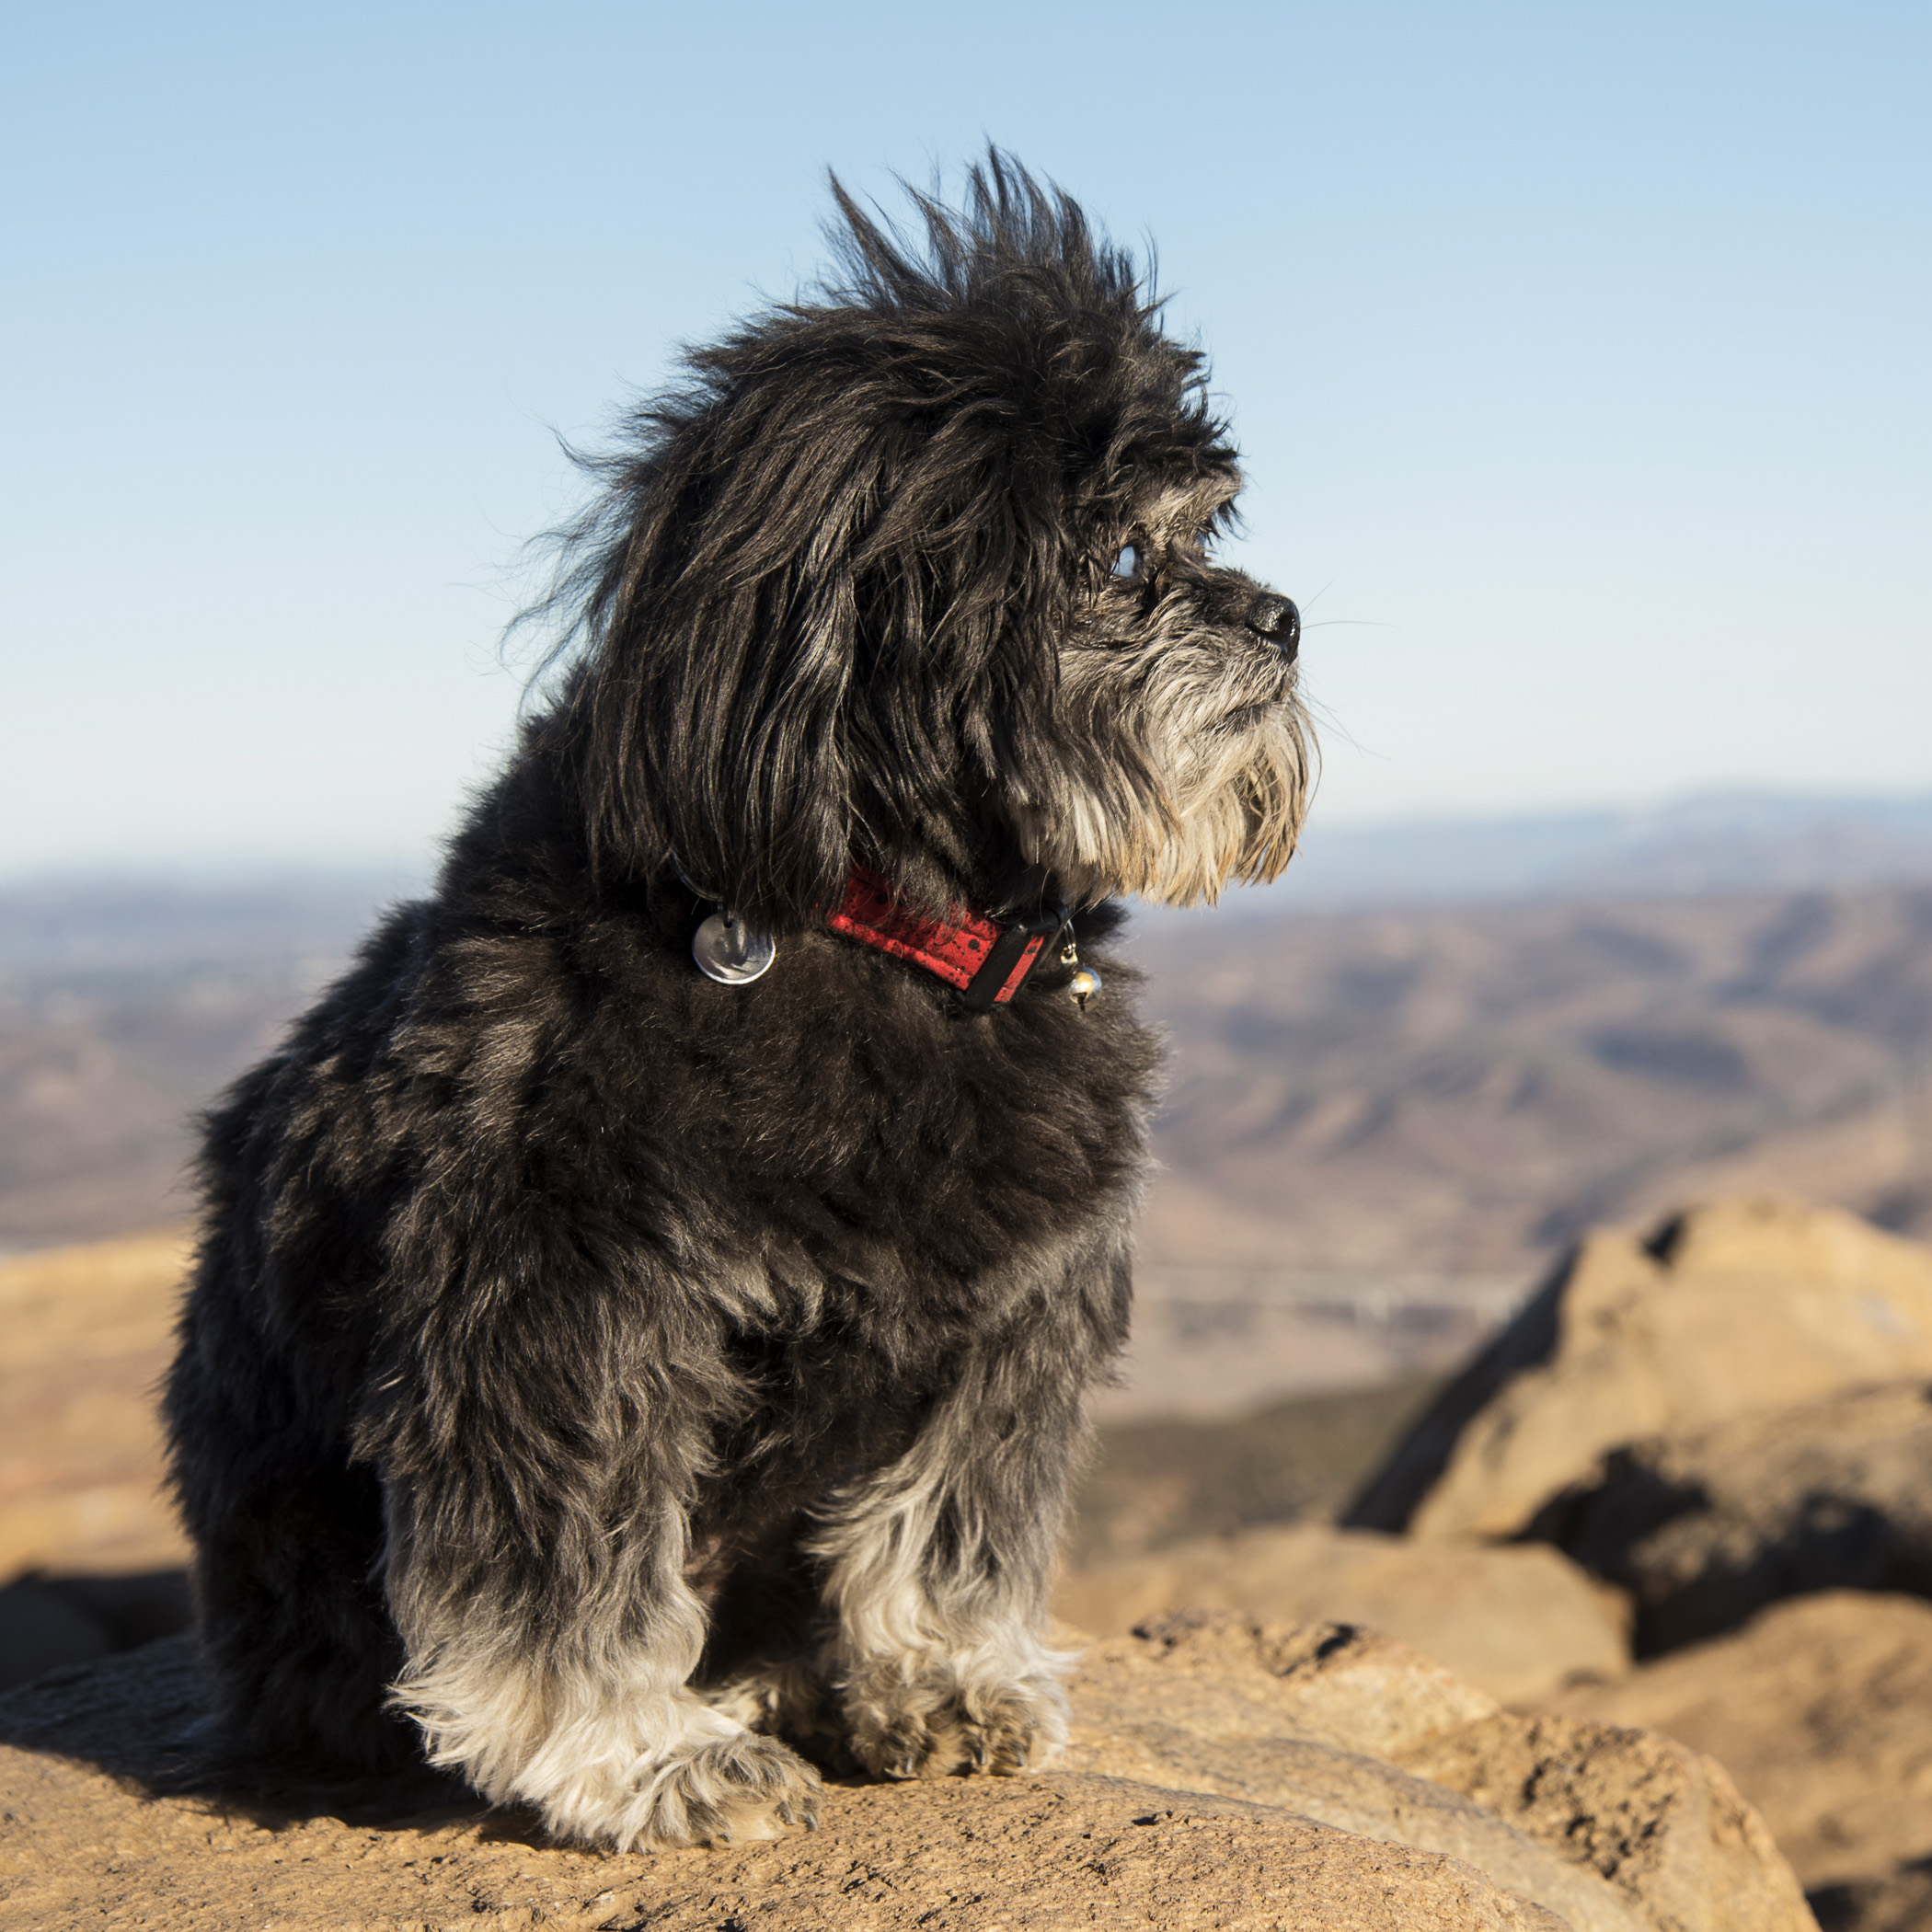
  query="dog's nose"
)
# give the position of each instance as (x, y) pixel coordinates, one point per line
(1276, 619)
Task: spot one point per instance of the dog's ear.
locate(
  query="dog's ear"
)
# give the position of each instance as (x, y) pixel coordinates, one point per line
(704, 724)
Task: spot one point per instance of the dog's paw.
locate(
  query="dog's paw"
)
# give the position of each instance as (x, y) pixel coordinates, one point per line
(727, 1791)
(920, 1731)
(733, 1792)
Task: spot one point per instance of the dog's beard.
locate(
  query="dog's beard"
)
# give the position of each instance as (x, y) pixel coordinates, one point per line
(1192, 771)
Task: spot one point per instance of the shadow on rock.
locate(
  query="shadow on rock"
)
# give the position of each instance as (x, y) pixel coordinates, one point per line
(141, 1718)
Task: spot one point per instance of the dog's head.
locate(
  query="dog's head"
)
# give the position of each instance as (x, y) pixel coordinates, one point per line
(919, 572)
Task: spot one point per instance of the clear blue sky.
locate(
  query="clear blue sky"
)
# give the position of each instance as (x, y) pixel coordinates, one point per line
(1580, 357)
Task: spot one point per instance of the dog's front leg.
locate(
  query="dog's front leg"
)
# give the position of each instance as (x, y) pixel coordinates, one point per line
(592, 1726)
(938, 1567)
(534, 1570)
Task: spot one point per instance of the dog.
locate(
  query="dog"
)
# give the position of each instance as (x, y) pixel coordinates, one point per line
(643, 1313)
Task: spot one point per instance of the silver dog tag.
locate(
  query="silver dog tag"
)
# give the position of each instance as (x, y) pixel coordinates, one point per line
(729, 951)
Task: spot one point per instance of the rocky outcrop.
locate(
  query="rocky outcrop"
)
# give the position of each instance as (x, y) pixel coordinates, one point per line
(1304, 1718)
(1606, 1827)
(1702, 1530)
(1224, 1772)
(1820, 1708)
(1737, 1308)
(79, 1842)
(1518, 1622)
(1662, 1823)
(942, 1856)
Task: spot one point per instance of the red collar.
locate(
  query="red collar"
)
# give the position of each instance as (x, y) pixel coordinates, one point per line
(987, 963)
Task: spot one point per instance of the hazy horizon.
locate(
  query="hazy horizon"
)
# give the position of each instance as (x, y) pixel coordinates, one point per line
(1747, 840)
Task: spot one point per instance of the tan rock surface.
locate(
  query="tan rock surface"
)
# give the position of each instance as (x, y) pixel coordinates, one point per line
(1607, 1827)
(1820, 1708)
(1665, 1826)
(1517, 1622)
(81, 1844)
(1221, 1674)
(1301, 1717)
(84, 1335)
(1738, 1307)
(1337, 1839)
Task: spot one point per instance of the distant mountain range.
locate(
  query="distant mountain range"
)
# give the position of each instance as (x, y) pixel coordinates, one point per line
(1465, 1087)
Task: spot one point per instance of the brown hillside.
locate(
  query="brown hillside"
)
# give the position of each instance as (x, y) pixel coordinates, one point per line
(1466, 1091)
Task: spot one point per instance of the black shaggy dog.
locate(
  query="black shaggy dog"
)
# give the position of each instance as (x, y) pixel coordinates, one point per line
(599, 1369)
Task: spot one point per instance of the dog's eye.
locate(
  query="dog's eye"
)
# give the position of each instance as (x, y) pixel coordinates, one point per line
(1127, 564)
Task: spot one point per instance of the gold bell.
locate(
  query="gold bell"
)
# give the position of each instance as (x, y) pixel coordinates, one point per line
(1083, 985)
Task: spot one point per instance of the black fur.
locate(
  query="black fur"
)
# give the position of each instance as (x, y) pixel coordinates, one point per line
(548, 1289)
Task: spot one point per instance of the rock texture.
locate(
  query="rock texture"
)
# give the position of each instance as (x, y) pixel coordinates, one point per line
(1606, 1827)
(1703, 1529)
(1739, 1307)
(1223, 1773)
(1034, 1853)
(1662, 1823)
(1214, 1674)
(1047, 1852)
(1303, 1716)
(1820, 1708)
(1518, 1622)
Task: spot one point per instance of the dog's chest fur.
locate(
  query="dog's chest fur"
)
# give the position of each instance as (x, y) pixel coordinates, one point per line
(836, 1174)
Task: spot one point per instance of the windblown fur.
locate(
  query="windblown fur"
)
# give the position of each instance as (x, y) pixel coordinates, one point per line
(605, 1381)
